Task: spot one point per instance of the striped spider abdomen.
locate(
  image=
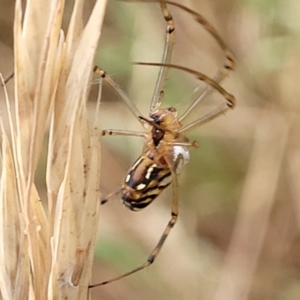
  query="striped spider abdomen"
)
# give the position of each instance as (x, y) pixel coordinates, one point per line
(144, 182)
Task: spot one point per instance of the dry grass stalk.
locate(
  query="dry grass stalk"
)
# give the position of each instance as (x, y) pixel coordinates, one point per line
(48, 254)
(256, 206)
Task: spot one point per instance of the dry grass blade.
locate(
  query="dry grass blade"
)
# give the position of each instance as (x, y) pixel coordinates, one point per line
(10, 234)
(49, 255)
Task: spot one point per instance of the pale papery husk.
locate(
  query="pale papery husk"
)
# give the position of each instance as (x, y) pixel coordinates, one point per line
(47, 252)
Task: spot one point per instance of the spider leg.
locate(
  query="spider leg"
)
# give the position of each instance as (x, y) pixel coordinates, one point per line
(230, 99)
(193, 144)
(117, 132)
(116, 87)
(167, 54)
(218, 111)
(9, 77)
(170, 225)
(109, 197)
(228, 66)
(166, 59)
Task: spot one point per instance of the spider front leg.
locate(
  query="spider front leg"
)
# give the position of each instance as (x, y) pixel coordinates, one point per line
(166, 59)
(117, 132)
(221, 109)
(97, 70)
(166, 232)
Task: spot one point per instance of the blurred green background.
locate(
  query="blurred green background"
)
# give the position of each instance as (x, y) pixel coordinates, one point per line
(237, 236)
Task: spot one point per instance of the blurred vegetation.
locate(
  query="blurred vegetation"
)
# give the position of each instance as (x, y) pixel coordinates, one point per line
(238, 231)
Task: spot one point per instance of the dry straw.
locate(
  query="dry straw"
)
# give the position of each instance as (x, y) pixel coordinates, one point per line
(48, 253)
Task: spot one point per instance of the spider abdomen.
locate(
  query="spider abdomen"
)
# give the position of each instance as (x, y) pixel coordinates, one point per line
(144, 182)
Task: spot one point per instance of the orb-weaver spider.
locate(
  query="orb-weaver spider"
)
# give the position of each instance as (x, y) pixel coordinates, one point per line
(166, 145)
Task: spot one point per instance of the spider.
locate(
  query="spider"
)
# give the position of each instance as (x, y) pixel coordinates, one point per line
(166, 146)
